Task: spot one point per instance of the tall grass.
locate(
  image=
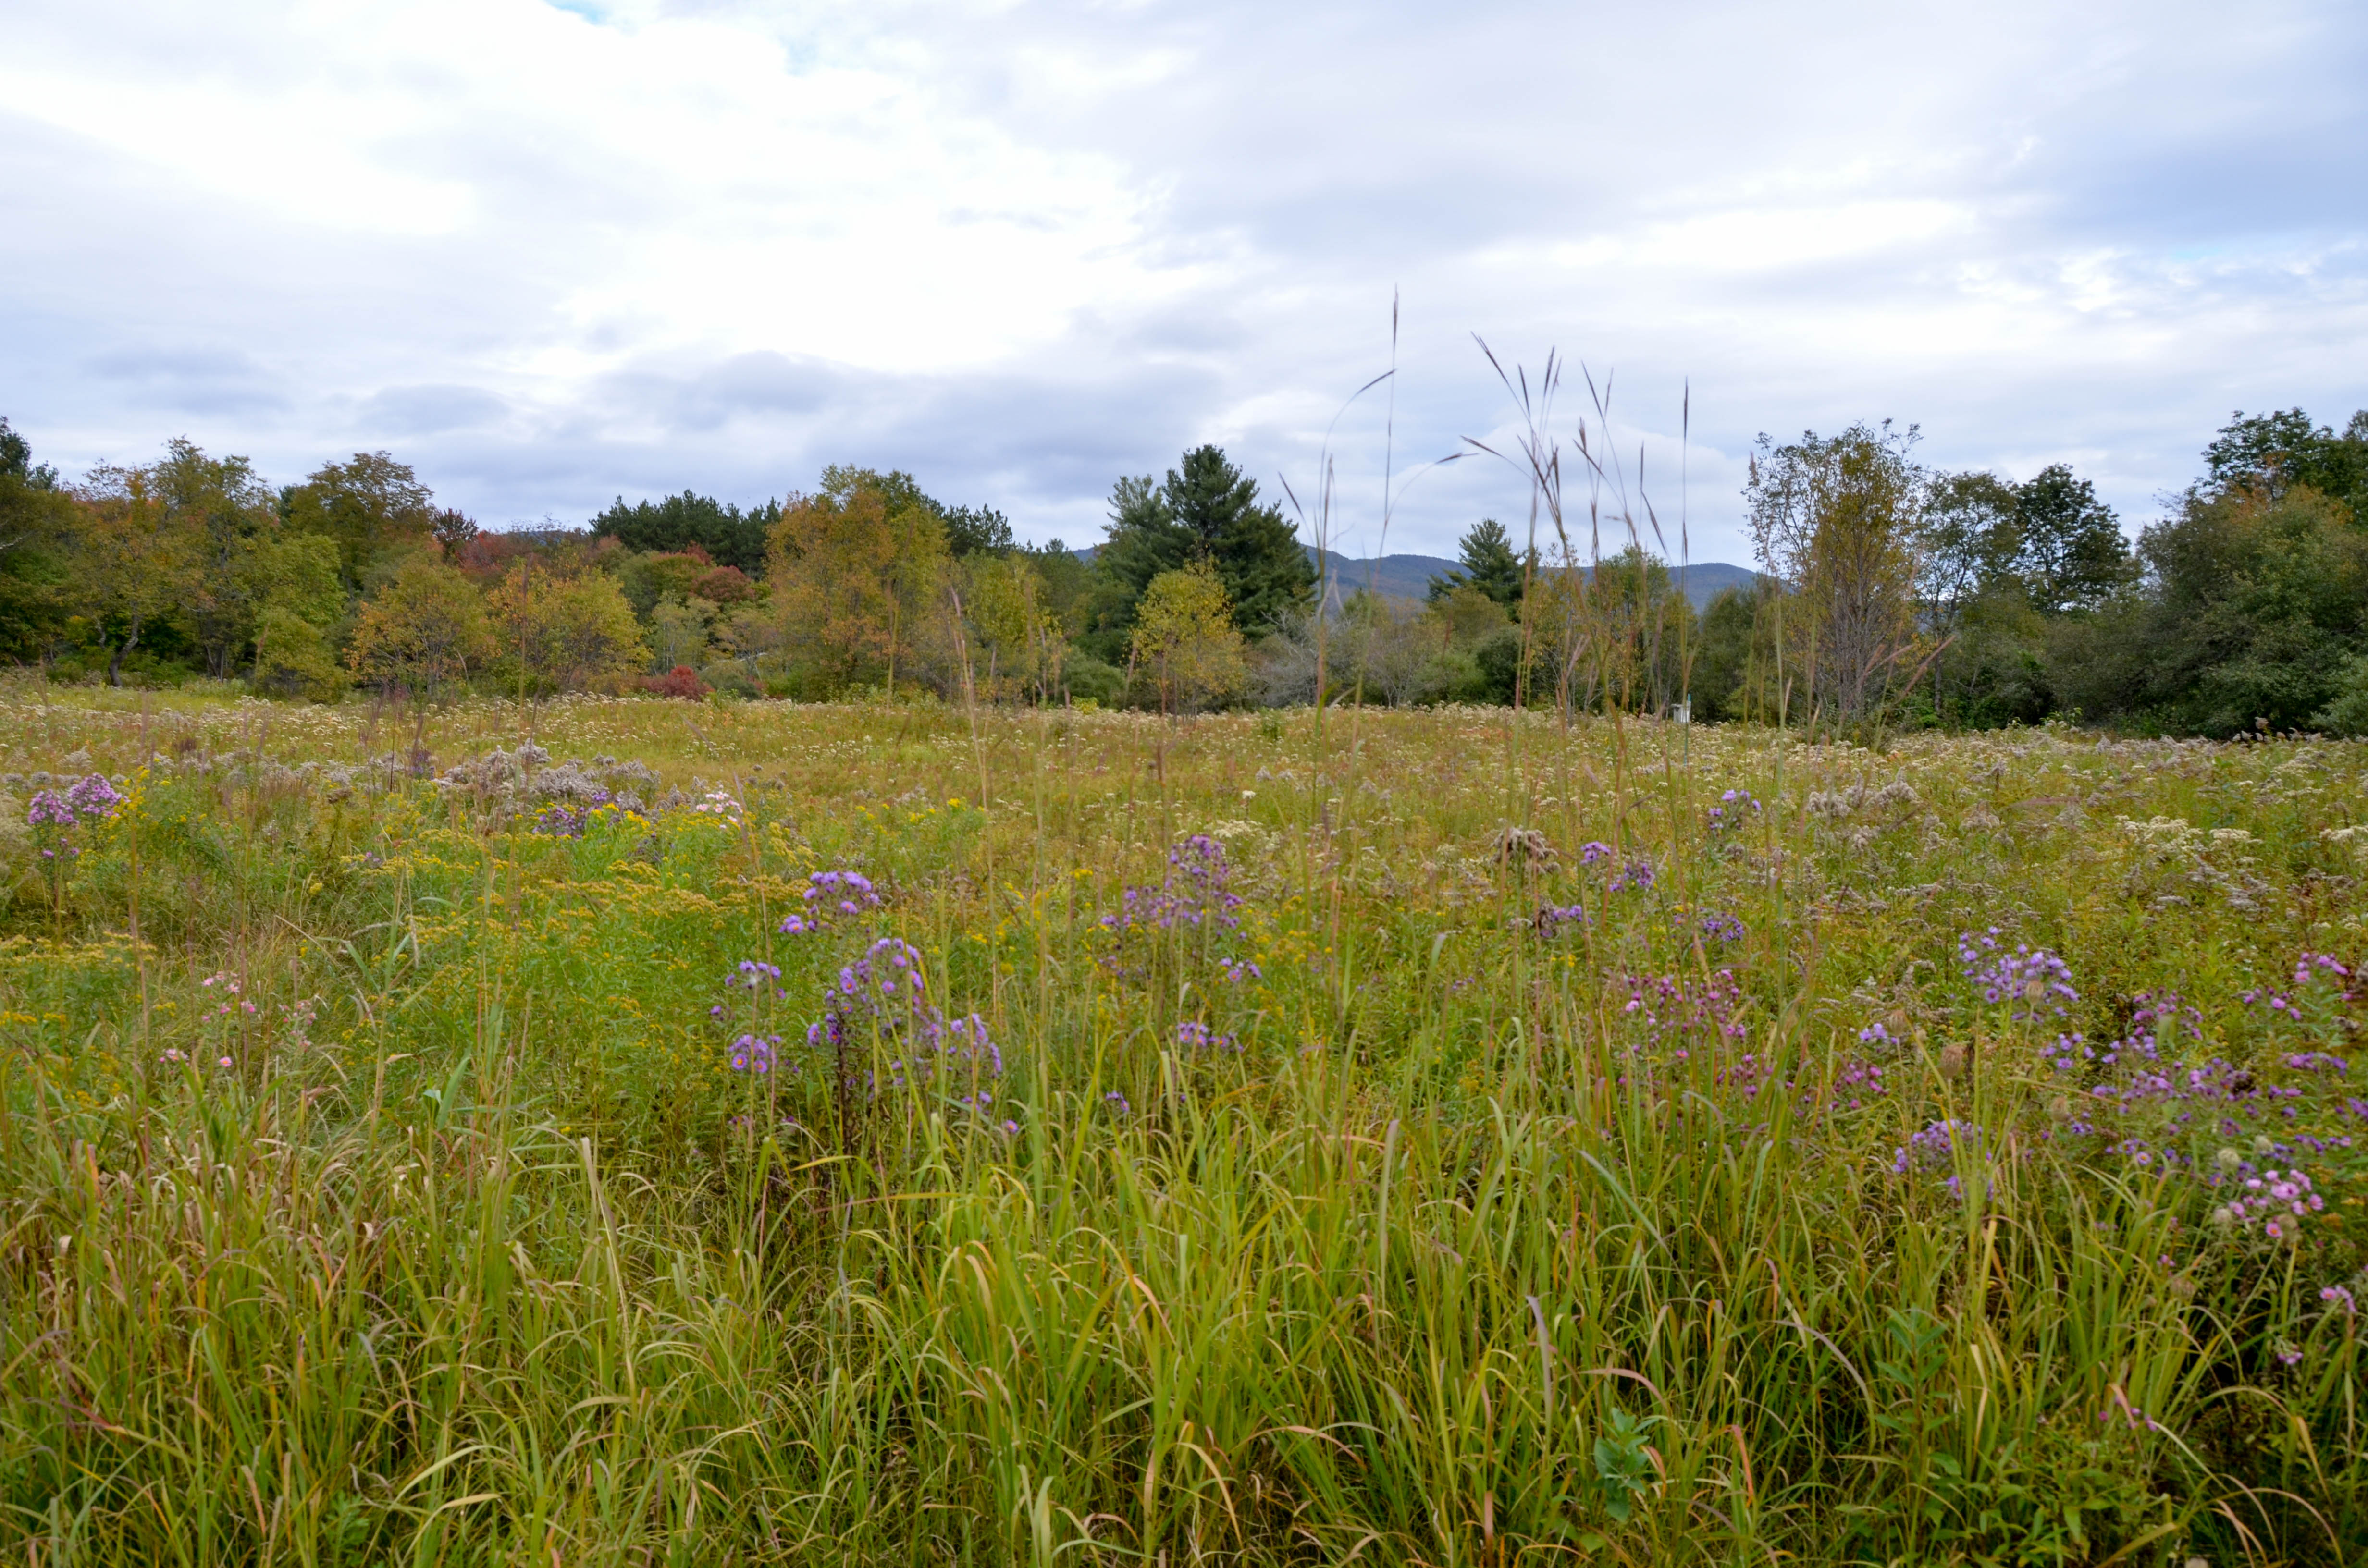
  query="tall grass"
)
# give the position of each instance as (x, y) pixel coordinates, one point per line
(477, 1251)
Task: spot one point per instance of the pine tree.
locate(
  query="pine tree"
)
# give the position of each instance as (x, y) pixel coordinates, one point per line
(978, 531)
(1205, 510)
(1489, 565)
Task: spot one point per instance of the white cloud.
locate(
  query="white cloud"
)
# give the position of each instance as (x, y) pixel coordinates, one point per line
(554, 253)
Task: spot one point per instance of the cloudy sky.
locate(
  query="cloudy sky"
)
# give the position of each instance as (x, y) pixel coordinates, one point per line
(553, 253)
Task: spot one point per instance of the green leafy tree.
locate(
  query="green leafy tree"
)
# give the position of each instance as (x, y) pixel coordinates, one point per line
(678, 633)
(645, 579)
(2070, 551)
(1837, 519)
(855, 573)
(565, 631)
(2249, 603)
(2275, 452)
(1972, 595)
(1735, 657)
(297, 575)
(372, 506)
(16, 461)
(1998, 566)
(1013, 631)
(2258, 605)
(38, 525)
(1184, 642)
(1491, 565)
(1613, 636)
(422, 631)
(1972, 544)
(293, 658)
(136, 561)
(1068, 582)
(1467, 614)
(228, 515)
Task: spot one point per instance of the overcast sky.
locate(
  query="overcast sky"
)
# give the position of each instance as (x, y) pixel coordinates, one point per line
(550, 253)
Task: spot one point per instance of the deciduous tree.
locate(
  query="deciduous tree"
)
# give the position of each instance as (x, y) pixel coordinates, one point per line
(565, 631)
(855, 571)
(372, 506)
(37, 526)
(1836, 519)
(422, 631)
(1014, 632)
(2071, 550)
(137, 558)
(2274, 452)
(226, 512)
(1184, 639)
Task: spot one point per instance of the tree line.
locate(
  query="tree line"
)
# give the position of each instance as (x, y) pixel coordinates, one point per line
(1889, 592)
(1901, 594)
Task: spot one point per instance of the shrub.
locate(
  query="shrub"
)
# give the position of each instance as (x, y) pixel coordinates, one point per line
(680, 681)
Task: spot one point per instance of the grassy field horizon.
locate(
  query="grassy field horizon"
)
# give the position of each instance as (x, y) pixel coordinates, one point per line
(612, 1130)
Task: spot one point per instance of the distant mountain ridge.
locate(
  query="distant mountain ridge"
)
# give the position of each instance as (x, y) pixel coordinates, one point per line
(1408, 576)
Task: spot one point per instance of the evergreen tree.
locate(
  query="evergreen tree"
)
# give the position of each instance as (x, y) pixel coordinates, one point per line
(1490, 565)
(730, 535)
(978, 531)
(16, 461)
(1204, 510)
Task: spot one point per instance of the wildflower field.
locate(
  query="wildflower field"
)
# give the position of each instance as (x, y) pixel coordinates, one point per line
(632, 1132)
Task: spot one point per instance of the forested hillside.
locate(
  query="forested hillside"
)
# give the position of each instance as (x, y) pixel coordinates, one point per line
(1882, 591)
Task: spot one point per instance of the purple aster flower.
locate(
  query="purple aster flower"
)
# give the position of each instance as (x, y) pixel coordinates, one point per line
(1721, 927)
(1555, 918)
(92, 796)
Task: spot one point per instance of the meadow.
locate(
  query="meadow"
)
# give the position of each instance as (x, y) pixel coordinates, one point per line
(628, 1131)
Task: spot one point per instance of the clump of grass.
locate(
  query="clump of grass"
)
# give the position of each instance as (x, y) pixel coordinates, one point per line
(1679, 1186)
